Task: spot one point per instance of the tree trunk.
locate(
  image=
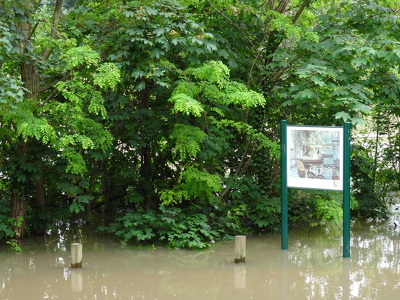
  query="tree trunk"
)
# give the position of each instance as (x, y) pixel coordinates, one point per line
(18, 203)
(40, 197)
(18, 211)
(107, 190)
(31, 79)
(147, 188)
(145, 158)
(40, 190)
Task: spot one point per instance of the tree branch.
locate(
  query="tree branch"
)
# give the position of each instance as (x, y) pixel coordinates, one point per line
(56, 20)
(300, 11)
(238, 169)
(50, 85)
(234, 24)
(282, 6)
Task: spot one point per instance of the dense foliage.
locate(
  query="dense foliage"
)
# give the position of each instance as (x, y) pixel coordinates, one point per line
(158, 120)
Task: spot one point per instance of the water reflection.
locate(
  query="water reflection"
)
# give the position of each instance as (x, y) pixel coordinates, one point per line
(312, 268)
(76, 280)
(240, 276)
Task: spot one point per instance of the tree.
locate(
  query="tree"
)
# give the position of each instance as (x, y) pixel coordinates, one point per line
(150, 42)
(51, 119)
(315, 62)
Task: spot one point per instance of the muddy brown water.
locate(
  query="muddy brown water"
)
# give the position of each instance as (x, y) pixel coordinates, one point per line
(312, 268)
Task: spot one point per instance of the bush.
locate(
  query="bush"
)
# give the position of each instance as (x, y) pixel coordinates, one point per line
(371, 200)
(316, 208)
(177, 227)
(6, 230)
(253, 205)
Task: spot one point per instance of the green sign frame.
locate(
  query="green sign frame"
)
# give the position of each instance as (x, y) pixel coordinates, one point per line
(315, 157)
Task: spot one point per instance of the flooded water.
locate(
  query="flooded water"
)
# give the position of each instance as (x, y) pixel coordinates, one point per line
(312, 268)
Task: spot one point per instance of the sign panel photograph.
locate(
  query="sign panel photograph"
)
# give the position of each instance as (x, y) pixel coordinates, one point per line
(315, 157)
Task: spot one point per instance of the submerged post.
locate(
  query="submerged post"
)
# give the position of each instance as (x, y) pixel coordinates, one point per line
(240, 249)
(76, 255)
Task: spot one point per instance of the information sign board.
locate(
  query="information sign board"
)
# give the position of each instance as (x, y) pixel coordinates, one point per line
(315, 157)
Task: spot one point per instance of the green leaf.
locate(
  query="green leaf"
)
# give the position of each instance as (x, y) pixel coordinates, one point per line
(186, 105)
(343, 115)
(305, 94)
(84, 198)
(187, 140)
(128, 13)
(359, 61)
(78, 56)
(76, 207)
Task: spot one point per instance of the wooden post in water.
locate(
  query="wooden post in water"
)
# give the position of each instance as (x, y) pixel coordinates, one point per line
(76, 255)
(240, 249)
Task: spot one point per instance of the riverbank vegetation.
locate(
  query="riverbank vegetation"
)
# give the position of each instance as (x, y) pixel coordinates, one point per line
(158, 121)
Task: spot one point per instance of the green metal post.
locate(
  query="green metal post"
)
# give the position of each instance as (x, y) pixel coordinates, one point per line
(284, 201)
(346, 190)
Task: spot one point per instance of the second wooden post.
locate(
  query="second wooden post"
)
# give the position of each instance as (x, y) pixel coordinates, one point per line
(76, 255)
(240, 249)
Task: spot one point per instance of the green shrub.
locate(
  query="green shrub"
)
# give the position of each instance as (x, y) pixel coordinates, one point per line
(6, 230)
(176, 227)
(366, 190)
(316, 208)
(251, 205)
